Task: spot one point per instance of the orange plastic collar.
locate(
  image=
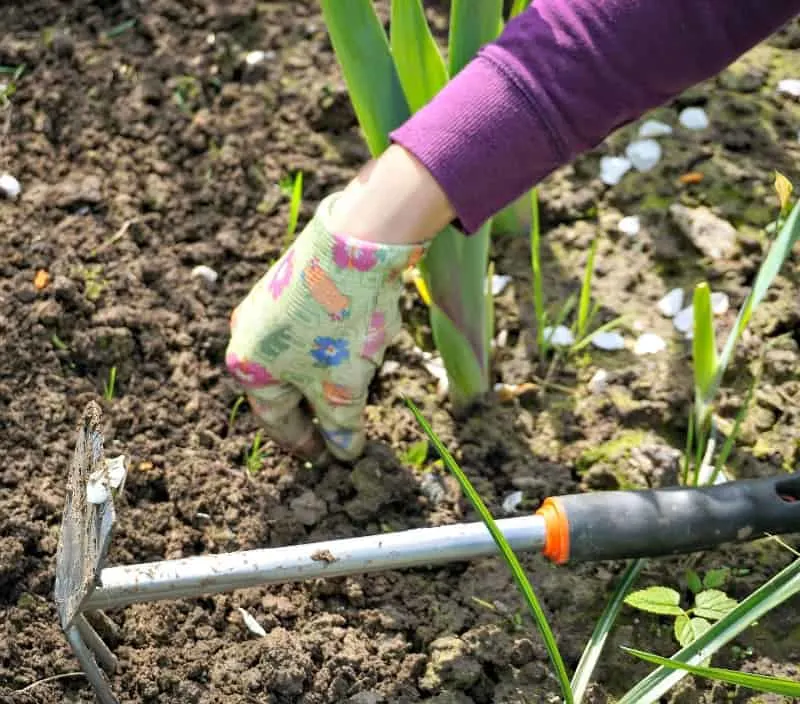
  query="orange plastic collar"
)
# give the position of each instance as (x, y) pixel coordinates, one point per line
(556, 530)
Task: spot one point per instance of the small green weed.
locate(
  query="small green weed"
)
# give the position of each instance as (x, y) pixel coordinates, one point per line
(187, 90)
(109, 386)
(9, 86)
(235, 412)
(416, 454)
(293, 189)
(256, 455)
(710, 604)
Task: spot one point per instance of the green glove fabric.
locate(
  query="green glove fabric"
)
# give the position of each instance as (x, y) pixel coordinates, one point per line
(316, 327)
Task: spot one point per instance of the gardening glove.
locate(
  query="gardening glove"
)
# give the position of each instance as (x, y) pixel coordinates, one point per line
(315, 329)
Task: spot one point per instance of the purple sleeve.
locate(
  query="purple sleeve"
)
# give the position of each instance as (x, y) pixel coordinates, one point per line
(562, 76)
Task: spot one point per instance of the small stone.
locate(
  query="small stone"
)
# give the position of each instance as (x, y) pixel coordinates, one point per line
(713, 236)
(206, 273)
(629, 225)
(512, 501)
(613, 168)
(693, 118)
(435, 367)
(671, 304)
(719, 303)
(790, 86)
(609, 341)
(560, 336)
(684, 320)
(599, 382)
(649, 343)
(643, 154)
(654, 128)
(9, 186)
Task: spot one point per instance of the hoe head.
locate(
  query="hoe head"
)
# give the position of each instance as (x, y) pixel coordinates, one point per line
(88, 517)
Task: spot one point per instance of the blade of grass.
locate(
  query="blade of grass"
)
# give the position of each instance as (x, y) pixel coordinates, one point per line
(594, 648)
(518, 6)
(778, 253)
(586, 292)
(363, 53)
(761, 683)
(606, 327)
(688, 451)
(781, 587)
(472, 24)
(536, 269)
(419, 64)
(704, 347)
(730, 441)
(507, 553)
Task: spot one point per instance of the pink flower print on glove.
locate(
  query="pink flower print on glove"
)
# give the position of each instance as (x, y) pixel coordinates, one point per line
(282, 275)
(250, 375)
(361, 256)
(376, 336)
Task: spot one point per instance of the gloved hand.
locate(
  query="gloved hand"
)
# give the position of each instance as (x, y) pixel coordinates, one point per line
(315, 329)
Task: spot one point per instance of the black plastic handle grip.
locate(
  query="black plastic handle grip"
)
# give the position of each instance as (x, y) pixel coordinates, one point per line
(651, 523)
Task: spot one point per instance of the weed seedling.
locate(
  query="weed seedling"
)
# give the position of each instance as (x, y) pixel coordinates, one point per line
(234, 412)
(9, 87)
(710, 604)
(255, 456)
(416, 455)
(293, 189)
(108, 386)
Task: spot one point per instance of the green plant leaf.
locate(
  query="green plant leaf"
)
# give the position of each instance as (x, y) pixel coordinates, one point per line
(586, 292)
(594, 648)
(656, 600)
(693, 581)
(419, 64)
(518, 6)
(536, 270)
(688, 630)
(713, 604)
(784, 188)
(472, 24)
(507, 553)
(704, 345)
(715, 578)
(761, 683)
(778, 253)
(416, 454)
(363, 53)
(769, 596)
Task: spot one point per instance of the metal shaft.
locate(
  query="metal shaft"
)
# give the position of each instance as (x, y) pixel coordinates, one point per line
(209, 574)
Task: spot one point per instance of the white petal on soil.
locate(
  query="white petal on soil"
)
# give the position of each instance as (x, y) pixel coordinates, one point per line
(790, 86)
(672, 303)
(512, 501)
(649, 343)
(255, 57)
(719, 303)
(561, 336)
(629, 225)
(610, 341)
(654, 128)
(206, 273)
(693, 118)
(435, 367)
(499, 283)
(613, 168)
(599, 382)
(252, 625)
(117, 471)
(684, 320)
(644, 154)
(9, 186)
(502, 338)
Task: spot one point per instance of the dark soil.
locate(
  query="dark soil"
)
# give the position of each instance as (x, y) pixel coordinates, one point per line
(146, 153)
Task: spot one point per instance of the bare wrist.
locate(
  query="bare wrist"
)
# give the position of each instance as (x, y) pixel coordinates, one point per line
(393, 200)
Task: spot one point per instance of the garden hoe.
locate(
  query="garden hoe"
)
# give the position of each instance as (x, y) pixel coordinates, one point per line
(581, 527)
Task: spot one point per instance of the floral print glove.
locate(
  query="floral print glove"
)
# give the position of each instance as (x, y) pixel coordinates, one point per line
(315, 329)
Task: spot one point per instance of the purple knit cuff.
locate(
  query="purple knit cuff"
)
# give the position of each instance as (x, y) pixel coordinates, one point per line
(482, 139)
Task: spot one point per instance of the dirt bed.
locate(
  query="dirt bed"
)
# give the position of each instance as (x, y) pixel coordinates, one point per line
(146, 145)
